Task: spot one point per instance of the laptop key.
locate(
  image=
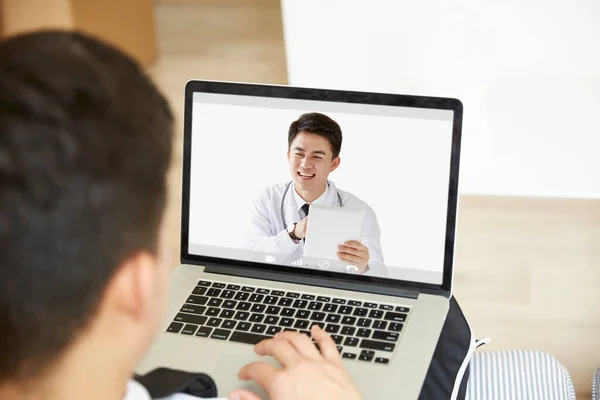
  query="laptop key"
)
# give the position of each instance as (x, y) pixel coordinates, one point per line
(300, 304)
(375, 314)
(376, 345)
(227, 314)
(248, 289)
(229, 304)
(214, 322)
(272, 330)
(204, 331)
(227, 294)
(244, 306)
(347, 320)
(277, 293)
(307, 333)
(190, 318)
(349, 356)
(290, 330)
(243, 296)
(215, 302)
(388, 336)
(331, 308)
(362, 332)
(351, 341)
(339, 301)
(263, 291)
(403, 309)
(332, 328)
(381, 360)
(257, 298)
(369, 305)
(380, 324)
(293, 295)
(288, 312)
(360, 312)
(395, 326)
(386, 307)
(221, 334)
(315, 306)
(213, 292)
(233, 287)
(346, 310)
(394, 316)
(286, 322)
(200, 290)
(273, 310)
(364, 323)
(270, 300)
(243, 326)
(247, 338)
(307, 297)
(228, 324)
(213, 311)
(317, 316)
(201, 300)
(365, 358)
(301, 324)
(337, 339)
(218, 285)
(257, 318)
(339, 349)
(204, 283)
(175, 327)
(335, 318)
(319, 324)
(241, 316)
(285, 301)
(193, 309)
(324, 299)
(302, 314)
(258, 328)
(348, 330)
(258, 308)
(271, 320)
(354, 303)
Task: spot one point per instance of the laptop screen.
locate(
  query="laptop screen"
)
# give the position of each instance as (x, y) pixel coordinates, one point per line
(258, 163)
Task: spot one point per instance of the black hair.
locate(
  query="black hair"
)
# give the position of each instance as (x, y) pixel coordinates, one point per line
(319, 124)
(85, 144)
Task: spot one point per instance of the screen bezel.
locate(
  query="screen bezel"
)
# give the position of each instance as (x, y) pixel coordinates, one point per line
(328, 95)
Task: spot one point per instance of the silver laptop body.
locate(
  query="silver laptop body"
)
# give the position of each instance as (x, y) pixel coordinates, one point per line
(387, 328)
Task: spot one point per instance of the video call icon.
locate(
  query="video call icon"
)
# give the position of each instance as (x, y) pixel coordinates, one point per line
(270, 258)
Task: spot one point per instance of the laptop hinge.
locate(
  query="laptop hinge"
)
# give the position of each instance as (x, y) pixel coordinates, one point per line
(312, 281)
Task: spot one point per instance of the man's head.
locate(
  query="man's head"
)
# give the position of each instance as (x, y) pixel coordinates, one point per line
(314, 144)
(85, 143)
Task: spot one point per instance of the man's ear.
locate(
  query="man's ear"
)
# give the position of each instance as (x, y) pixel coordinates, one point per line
(131, 289)
(335, 163)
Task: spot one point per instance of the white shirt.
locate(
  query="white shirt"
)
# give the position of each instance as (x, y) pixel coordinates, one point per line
(269, 234)
(136, 391)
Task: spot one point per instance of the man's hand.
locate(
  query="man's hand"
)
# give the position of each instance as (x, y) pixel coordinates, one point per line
(306, 373)
(355, 253)
(300, 229)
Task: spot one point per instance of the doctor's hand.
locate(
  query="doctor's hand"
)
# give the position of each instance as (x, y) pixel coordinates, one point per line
(355, 253)
(307, 373)
(300, 229)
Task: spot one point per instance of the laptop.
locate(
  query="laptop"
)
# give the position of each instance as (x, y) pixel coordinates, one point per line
(399, 162)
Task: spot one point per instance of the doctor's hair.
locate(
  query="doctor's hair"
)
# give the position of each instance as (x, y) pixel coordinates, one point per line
(85, 144)
(319, 124)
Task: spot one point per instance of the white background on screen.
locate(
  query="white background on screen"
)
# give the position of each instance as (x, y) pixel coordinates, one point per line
(399, 166)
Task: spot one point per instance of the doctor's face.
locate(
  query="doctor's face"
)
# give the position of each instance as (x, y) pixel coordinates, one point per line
(311, 161)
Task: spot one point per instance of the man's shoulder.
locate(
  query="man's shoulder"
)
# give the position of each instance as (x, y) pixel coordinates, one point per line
(351, 200)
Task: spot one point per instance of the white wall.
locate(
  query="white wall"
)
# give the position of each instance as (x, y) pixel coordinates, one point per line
(528, 73)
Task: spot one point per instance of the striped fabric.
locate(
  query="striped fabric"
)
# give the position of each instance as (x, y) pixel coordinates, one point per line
(518, 374)
(596, 385)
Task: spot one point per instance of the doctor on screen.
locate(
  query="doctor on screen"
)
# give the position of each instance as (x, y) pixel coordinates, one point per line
(279, 215)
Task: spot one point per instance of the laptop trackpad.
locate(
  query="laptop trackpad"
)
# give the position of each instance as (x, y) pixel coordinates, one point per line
(226, 370)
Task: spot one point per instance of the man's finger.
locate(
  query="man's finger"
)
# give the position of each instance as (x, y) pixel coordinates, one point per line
(259, 371)
(281, 349)
(351, 259)
(328, 348)
(350, 250)
(301, 342)
(355, 245)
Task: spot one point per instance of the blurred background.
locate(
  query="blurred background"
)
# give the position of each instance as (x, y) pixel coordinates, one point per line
(527, 267)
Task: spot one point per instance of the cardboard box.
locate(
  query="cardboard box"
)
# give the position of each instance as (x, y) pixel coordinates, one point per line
(126, 24)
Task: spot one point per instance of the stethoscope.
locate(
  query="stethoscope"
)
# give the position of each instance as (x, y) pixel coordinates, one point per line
(349, 268)
(287, 189)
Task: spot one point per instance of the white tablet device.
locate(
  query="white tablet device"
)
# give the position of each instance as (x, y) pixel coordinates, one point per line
(328, 227)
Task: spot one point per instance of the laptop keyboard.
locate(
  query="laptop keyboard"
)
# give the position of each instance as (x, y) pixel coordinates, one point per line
(363, 331)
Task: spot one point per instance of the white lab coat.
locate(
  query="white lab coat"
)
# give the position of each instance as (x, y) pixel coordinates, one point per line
(268, 231)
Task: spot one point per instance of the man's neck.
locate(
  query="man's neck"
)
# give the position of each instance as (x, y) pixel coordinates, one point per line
(310, 196)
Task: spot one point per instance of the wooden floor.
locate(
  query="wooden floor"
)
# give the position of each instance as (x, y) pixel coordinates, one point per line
(527, 270)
